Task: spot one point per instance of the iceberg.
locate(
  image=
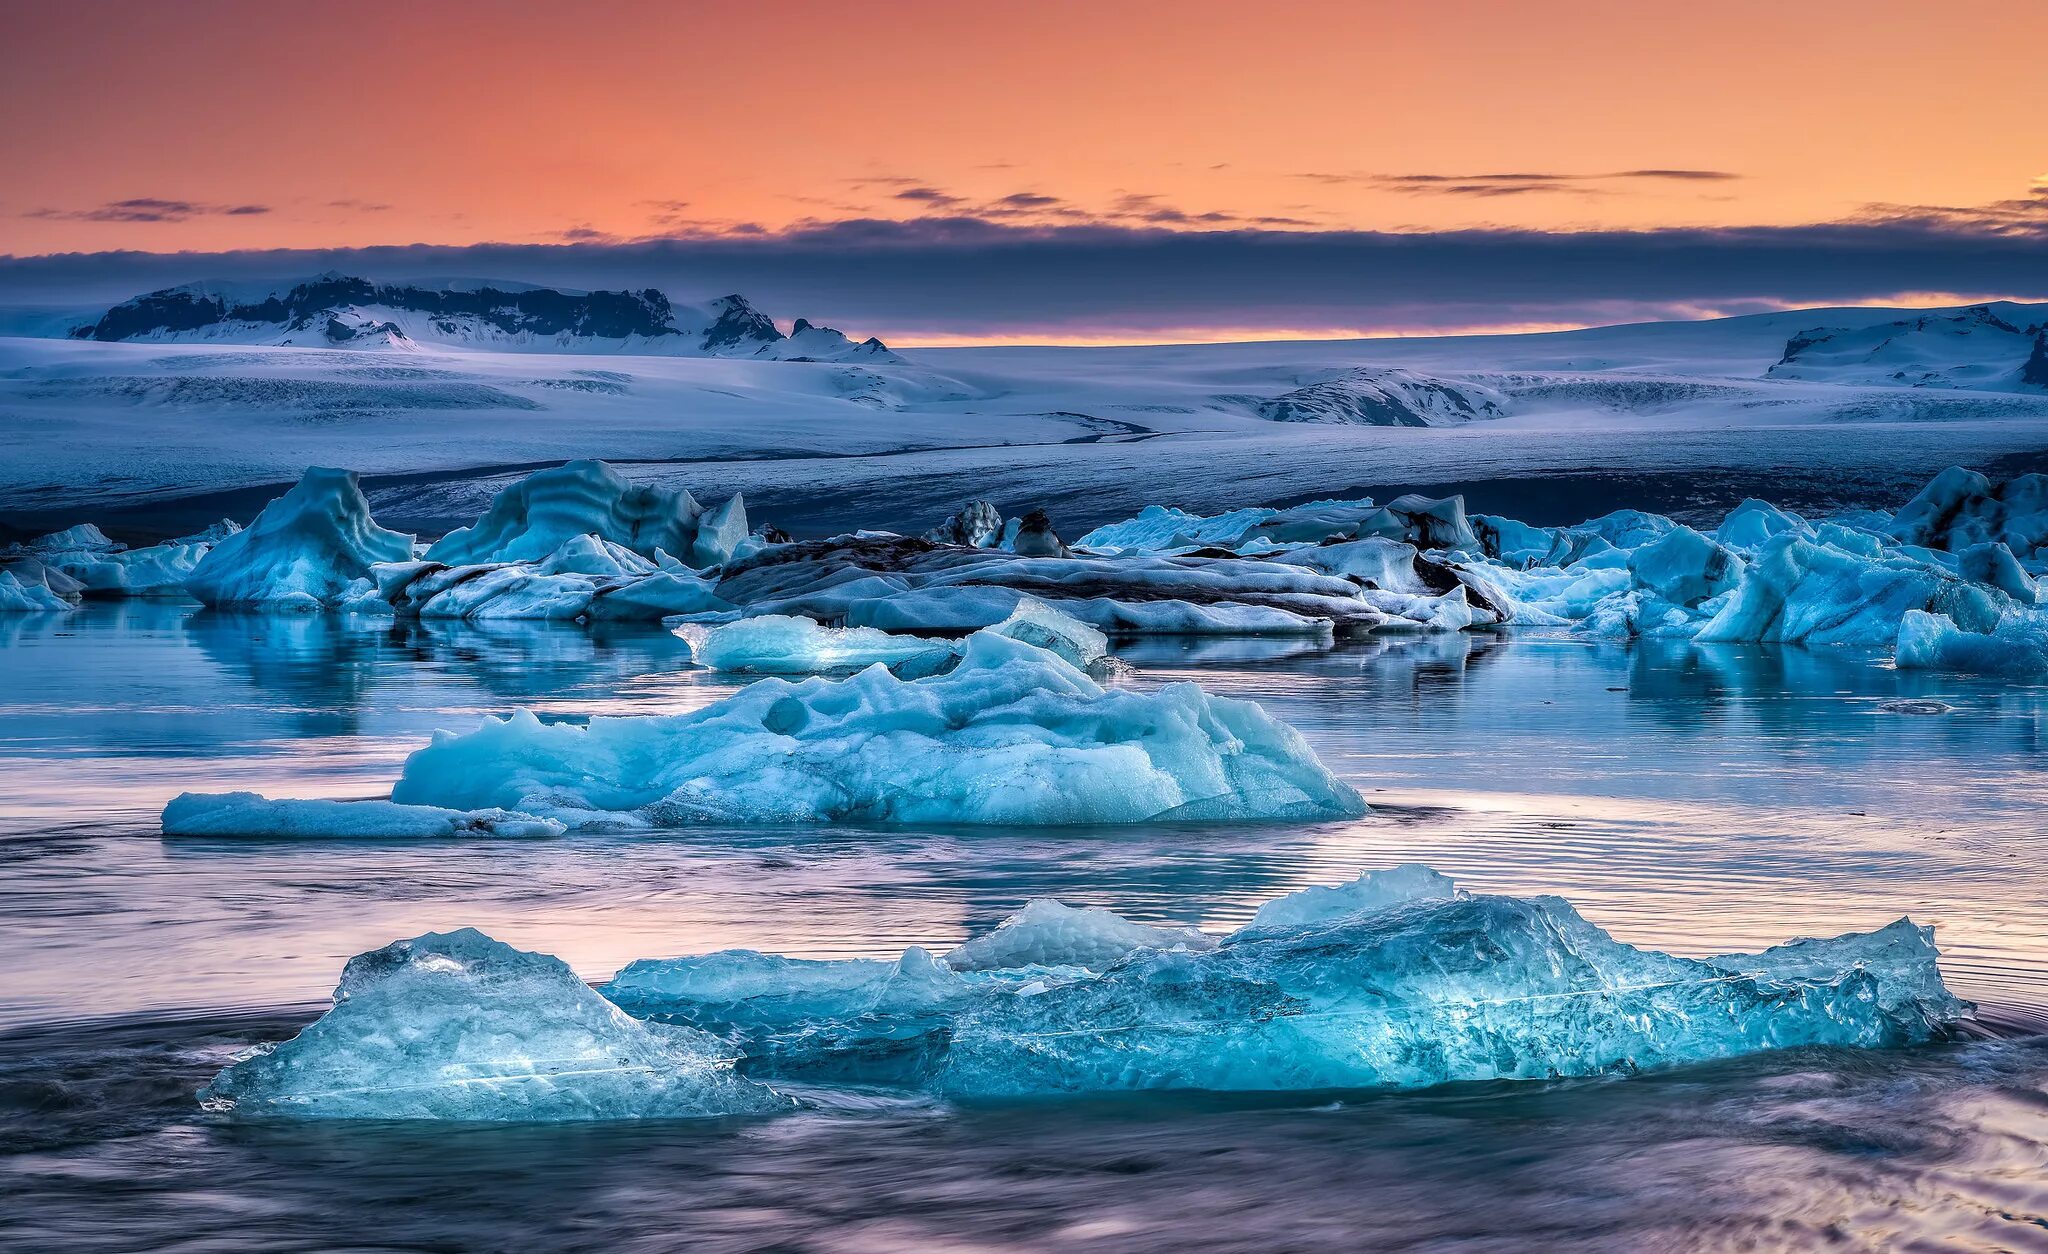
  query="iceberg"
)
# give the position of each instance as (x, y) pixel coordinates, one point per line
(2016, 643)
(27, 589)
(1046, 933)
(778, 644)
(1752, 522)
(1434, 991)
(106, 568)
(1011, 734)
(1369, 893)
(587, 577)
(544, 511)
(310, 549)
(248, 814)
(457, 1026)
(1959, 508)
(1396, 980)
(903, 584)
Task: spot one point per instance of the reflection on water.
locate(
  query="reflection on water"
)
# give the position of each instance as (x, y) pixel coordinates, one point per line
(1690, 797)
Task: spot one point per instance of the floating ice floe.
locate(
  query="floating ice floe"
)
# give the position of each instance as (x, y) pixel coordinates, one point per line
(246, 814)
(1950, 581)
(588, 578)
(536, 516)
(310, 549)
(81, 562)
(29, 587)
(457, 1026)
(1397, 980)
(777, 644)
(1011, 734)
(902, 584)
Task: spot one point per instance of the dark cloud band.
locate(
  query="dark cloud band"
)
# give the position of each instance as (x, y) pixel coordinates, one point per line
(968, 276)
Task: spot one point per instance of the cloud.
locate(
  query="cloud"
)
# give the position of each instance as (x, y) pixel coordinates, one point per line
(927, 195)
(358, 206)
(148, 209)
(1517, 182)
(963, 275)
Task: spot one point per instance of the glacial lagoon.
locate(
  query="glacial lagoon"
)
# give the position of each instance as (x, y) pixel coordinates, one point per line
(1685, 797)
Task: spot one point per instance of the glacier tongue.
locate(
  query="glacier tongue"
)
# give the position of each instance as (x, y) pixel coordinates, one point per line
(1395, 980)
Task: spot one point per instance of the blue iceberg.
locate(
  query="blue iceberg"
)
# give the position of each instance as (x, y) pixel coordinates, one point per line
(458, 1026)
(1396, 980)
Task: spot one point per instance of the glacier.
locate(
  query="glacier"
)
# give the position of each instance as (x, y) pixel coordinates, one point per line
(1396, 980)
(458, 1026)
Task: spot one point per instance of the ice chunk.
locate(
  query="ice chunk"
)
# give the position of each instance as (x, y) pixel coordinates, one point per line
(303, 551)
(1821, 591)
(1439, 990)
(536, 516)
(793, 1014)
(1012, 734)
(1685, 568)
(1959, 508)
(720, 533)
(250, 814)
(588, 577)
(2017, 643)
(971, 608)
(159, 570)
(1993, 563)
(778, 644)
(1046, 933)
(1036, 623)
(1390, 981)
(1374, 890)
(83, 538)
(29, 595)
(1163, 529)
(458, 1026)
(1752, 522)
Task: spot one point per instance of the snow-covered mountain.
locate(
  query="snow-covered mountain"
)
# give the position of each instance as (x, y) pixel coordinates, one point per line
(336, 310)
(2000, 347)
(1370, 397)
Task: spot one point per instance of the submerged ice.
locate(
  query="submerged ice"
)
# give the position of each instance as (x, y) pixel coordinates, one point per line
(1396, 980)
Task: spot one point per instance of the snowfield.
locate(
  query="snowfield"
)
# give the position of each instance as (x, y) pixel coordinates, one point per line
(1832, 406)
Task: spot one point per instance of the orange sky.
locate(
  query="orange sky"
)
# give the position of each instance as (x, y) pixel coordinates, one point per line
(456, 123)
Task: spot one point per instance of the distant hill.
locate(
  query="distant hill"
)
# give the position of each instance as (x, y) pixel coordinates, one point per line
(341, 311)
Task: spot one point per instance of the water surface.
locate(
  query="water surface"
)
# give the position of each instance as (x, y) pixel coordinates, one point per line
(1699, 799)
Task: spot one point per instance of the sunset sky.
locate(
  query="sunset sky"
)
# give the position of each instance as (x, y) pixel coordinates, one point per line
(744, 131)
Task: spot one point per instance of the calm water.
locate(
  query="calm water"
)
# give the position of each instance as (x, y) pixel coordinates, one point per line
(1699, 799)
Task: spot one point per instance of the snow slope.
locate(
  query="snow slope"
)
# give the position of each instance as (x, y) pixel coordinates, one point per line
(101, 427)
